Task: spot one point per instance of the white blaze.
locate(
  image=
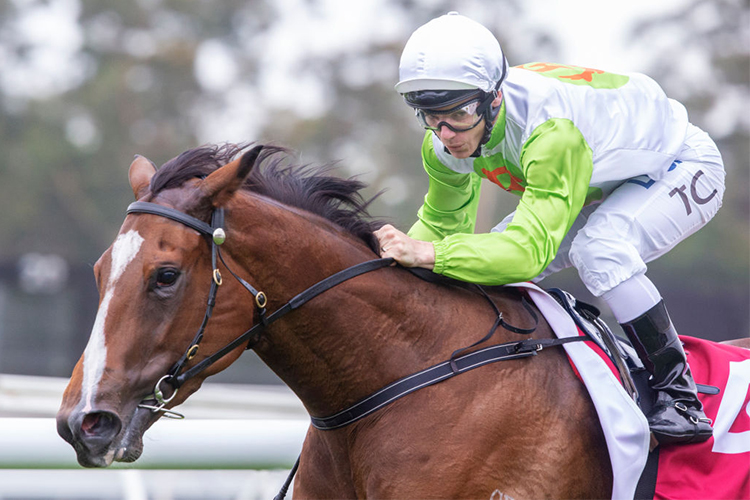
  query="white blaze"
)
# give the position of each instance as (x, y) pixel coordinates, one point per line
(124, 250)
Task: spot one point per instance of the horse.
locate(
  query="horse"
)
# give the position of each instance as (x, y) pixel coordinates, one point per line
(521, 428)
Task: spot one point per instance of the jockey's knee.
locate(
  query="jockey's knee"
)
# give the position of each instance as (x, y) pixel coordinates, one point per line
(604, 261)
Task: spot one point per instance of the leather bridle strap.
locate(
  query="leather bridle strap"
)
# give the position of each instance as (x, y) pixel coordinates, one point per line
(252, 336)
(144, 207)
(216, 231)
(217, 219)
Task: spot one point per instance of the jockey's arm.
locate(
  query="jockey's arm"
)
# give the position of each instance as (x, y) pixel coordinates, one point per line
(450, 205)
(557, 163)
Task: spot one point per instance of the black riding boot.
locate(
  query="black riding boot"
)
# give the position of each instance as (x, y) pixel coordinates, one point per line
(677, 415)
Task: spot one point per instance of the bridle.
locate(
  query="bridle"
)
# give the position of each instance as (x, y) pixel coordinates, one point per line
(458, 363)
(175, 376)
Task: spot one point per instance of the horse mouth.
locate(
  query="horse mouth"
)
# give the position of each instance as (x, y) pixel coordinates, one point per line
(121, 454)
(99, 439)
(131, 446)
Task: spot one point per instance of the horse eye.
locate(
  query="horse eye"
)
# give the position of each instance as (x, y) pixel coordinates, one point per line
(166, 277)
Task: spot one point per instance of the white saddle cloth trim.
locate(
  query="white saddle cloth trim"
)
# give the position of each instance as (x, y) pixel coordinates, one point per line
(625, 427)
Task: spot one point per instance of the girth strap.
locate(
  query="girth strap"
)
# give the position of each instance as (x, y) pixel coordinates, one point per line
(435, 374)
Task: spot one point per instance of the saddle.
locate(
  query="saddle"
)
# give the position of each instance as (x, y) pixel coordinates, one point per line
(620, 351)
(633, 374)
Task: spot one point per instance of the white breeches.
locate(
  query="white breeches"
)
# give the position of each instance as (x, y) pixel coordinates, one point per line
(643, 219)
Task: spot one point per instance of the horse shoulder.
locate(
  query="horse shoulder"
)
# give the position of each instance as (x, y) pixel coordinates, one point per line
(324, 468)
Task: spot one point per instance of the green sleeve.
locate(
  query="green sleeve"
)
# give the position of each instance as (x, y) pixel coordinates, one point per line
(557, 164)
(450, 205)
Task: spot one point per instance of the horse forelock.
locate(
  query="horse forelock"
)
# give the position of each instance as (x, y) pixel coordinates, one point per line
(307, 187)
(192, 164)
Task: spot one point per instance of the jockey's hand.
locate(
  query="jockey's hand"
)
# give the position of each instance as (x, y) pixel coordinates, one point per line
(405, 250)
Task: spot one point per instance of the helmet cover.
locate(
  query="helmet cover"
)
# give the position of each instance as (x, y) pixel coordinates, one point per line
(451, 52)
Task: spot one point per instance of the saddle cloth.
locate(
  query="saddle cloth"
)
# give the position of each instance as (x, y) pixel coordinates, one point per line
(716, 469)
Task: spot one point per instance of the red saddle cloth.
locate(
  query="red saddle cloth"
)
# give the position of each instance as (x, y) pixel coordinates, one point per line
(720, 467)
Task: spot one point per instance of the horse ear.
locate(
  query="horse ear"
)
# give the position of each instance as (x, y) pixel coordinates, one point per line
(224, 182)
(140, 173)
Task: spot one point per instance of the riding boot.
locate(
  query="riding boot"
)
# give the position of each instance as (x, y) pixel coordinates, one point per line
(677, 415)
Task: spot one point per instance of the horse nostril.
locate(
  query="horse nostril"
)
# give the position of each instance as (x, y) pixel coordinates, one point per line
(100, 424)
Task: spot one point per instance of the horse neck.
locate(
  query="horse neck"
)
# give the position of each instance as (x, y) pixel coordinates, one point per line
(351, 339)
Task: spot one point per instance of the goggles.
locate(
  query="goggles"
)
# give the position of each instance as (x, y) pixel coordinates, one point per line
(461, 118)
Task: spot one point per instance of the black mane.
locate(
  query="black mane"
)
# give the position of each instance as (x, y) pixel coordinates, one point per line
(310, 188)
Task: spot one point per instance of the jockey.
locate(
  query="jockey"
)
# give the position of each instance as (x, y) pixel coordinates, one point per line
(610, 175)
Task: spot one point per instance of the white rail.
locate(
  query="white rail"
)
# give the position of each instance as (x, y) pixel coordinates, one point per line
(26, 396)
(227, 427)
(138, 484)
(33, 443)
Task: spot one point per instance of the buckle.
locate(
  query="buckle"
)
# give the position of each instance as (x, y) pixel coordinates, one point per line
(690, 415)
(522, 347)
(697, 420)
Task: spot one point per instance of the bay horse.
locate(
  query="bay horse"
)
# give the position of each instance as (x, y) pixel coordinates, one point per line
(522, 428)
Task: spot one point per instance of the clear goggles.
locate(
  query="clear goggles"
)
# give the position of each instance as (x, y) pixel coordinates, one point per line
(461, 118)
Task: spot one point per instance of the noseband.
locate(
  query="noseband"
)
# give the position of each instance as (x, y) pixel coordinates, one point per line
(250, 338)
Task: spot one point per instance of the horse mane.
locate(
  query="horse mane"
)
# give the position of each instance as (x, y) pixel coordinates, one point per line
(310, 188)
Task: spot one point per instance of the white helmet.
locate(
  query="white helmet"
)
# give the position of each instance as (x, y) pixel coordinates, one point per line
(451, 52)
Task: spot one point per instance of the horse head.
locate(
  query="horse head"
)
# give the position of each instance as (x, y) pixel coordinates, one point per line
(151, 299)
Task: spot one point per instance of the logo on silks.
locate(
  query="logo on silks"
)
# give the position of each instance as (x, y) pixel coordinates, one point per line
(503, 178)
(584, 74)
(578, 75)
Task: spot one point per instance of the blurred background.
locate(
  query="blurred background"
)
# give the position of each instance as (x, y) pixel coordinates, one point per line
(85, 85)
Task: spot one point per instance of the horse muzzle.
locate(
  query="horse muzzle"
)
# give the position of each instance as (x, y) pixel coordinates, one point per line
(99, 437)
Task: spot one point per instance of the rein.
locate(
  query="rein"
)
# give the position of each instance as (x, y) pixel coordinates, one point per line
(457, 363)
